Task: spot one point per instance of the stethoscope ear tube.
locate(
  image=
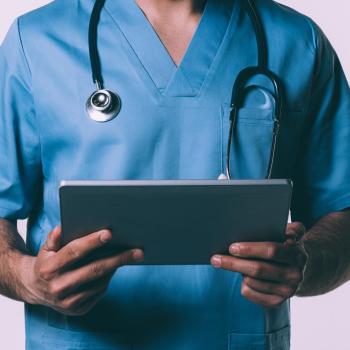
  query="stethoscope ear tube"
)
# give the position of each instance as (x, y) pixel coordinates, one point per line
(95, 61)
(260, 36)
(239, 89)
(237, 100)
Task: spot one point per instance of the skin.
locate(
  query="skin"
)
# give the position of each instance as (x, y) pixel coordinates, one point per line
(56, 277)
(274, 272)
(174, 21)
(59, 278)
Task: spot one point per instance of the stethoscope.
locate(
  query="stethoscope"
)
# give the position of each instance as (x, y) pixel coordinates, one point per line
(104, 105)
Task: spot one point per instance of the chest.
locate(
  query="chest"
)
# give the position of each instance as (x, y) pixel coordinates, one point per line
(175, 25)
(174, 121)
(175, 38)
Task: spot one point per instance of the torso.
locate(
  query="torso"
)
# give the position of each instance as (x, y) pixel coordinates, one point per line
(173, 124)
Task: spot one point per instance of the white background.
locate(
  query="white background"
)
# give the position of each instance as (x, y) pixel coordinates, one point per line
(319, 323)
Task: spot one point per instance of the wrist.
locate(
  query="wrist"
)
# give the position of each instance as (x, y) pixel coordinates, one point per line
(306, 254)
(26, 279)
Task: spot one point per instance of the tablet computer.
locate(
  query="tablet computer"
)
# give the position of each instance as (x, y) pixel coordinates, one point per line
(176, 222)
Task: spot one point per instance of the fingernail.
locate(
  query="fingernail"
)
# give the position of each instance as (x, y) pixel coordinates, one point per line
(138, 255)
(234, 249)
(105, 236)
(216, 261)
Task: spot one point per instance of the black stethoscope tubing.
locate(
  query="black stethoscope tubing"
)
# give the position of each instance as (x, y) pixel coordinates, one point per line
(240, 86)
(104, 105)
(93, 49)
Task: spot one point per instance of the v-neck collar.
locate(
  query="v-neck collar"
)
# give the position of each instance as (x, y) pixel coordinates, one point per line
(187, 78)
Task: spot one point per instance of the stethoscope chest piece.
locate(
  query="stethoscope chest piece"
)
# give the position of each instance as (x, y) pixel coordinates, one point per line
(103, 105)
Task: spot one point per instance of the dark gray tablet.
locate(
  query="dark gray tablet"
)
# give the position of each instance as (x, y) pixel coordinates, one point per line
(177, 222)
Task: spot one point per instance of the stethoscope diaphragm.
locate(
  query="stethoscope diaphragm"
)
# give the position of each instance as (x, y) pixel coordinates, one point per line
(103, 105)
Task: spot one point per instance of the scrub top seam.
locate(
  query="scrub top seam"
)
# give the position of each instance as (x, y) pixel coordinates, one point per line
(148, 22)
(32, 95)
(179, 68)
(224, 42)
(316, 68)
(164, 92)
(311, 117)
(134, 52)
(159, 91)
(22, 47)
(313, 48)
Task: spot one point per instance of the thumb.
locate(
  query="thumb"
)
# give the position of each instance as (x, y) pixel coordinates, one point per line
(295, 231)
(53, 241)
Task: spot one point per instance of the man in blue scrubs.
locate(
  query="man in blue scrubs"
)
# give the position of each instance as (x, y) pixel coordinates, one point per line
(173, 64)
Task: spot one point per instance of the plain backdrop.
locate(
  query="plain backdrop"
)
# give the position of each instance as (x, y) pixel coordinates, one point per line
(318, 323)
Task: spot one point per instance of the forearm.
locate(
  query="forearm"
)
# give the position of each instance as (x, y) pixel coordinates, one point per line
(13, 261)
(327, 244)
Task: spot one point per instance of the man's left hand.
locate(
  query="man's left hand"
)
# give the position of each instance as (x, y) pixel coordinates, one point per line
(272, 272)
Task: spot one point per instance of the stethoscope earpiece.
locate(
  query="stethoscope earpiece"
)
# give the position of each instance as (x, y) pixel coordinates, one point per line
(103, 105)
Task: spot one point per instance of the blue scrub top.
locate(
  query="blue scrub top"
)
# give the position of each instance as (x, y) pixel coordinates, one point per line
(173, 125)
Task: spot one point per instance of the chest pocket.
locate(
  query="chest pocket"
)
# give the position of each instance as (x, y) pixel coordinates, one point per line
(278, 340)
(251, 144)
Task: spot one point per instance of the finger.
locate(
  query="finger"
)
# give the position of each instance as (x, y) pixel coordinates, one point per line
(53, 241)
(295, 231)
(270, 251)
(71, 280)
(258, 269)
(63, 292)
(283, 290)
(78, 249)
(266, 300)
(94, 284)
(74, 302)
(89, 304)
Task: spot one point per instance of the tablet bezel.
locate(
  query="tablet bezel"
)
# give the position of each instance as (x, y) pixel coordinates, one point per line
(69, 189)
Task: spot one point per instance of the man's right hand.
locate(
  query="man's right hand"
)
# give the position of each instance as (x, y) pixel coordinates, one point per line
(56, 279)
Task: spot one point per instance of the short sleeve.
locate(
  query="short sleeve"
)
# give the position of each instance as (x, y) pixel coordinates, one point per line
(20, 160)
(322, 177)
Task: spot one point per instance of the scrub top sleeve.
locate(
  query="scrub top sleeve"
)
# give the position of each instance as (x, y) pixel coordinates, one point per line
(322, 177)
(20, 161)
